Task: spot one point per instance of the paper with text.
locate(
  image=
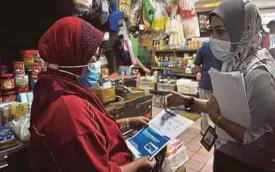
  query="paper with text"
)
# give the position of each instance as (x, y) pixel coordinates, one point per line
(162, 129)
(230, 93)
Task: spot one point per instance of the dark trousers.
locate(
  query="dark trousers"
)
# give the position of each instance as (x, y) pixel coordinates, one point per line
(225, 163)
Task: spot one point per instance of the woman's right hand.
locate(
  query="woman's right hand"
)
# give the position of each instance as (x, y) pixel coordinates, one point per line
(145, 163)
(176, 99)
(140, 165)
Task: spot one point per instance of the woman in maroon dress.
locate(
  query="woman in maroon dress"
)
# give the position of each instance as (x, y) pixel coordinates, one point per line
(70, 129)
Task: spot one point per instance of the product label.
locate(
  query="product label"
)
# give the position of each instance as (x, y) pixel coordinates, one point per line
(17, 110)
(35, 72)
(21, 81)
(19, 69)
(7, 84)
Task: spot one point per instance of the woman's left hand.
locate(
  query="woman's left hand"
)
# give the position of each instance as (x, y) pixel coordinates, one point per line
(213, 109)
(139, 122)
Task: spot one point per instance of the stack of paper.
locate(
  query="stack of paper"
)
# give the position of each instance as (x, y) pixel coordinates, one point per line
(230, 93)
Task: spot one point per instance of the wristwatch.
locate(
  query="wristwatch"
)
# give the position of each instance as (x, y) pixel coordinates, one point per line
(190, 102)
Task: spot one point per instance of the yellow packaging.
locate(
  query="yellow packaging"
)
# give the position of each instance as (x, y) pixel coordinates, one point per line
(18, 110)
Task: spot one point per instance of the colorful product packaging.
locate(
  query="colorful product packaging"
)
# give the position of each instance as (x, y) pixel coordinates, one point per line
(19, 69)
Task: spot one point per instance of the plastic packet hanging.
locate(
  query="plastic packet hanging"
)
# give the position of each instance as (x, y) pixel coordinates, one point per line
(125, 5)
(104, 11)
(191, 27)
(136, 10)
(82, 7)
(148, 14)
(160, 17)
(20, 127)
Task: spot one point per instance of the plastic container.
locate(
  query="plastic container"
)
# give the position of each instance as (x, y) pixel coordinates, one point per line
(7, 82)
(186, 86)
(166, 87)
(3, 69)
(18, 68)
(29, 57)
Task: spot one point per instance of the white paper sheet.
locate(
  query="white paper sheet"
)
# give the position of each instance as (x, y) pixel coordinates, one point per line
(230, 93)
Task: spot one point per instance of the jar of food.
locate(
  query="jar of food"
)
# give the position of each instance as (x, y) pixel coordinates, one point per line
(3, 69)
(7, 82)
(19, 69)
(22, 84)
(36, 69)
(29, 57)
(9, 96)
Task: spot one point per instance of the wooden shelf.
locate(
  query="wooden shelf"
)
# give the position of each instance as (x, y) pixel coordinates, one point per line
(179, 71)
(176, 51)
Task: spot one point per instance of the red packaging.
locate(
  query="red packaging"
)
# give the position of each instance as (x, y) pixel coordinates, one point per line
(3, 69)
(9, 96)
(7, 82)
(19, 69)
(36, 69)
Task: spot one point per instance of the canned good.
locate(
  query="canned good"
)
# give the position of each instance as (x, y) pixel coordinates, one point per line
(22, 84)
(9, 96)
(36, 69)
(19, 69)
(3, 69)
(7, 82)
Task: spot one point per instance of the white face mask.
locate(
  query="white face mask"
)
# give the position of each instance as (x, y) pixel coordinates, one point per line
(221, 49)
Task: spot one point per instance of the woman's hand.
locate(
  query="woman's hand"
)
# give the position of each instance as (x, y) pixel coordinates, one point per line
(213, 109)
(176, 99)
(139, 122)
(140, 165)
(144, 164)
(147, 71)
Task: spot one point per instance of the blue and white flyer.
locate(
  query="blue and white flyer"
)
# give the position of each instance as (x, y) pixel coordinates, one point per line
(162, 129)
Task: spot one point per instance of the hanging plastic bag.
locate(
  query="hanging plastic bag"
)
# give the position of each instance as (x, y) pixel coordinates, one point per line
(191, 27)
(160, 17)
(135, 14)
(104, 12)
(125, 6)
(20, 127)
(148, 14)
(82, 7)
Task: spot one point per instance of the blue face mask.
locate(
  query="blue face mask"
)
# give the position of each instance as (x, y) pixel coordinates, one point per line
(92, 77)
(89, 80)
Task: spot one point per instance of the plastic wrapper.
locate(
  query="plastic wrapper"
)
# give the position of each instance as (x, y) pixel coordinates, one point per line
(135, 15)
(176, 156)
(160, 17)
(148, 14)
(187, 4)
(125, 5)
(104, 14)
(20, 128)
(191, 28)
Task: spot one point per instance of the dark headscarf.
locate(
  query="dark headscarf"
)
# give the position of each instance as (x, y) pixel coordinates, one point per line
(69, 42)
(243, 23)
